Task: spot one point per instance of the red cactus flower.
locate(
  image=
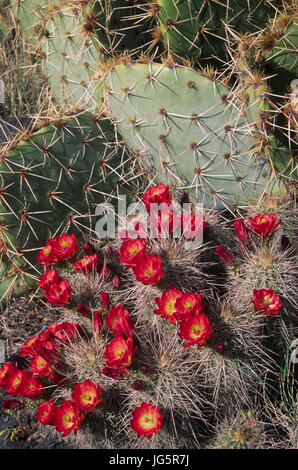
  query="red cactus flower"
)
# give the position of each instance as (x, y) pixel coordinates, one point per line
(225, 256)
(193, 225)
(47, 256)
(50, 277)
(39, 367)
(67, 418)
(196, 330)
(130, 252)
(221, 348)
(164, 221)
(119, 352)
(65, 331)
(138, 385)
(88, 249)
(59, 294)
(116, 282)
(149, 269)
(166, 304)
(108, 252)
(47, 341)
(97, 322)
(6, 372)
(241, 231)
(264, 224)
(189, 304)
(84, 310)
(139, 231)
(119, 321)
(58, 379)
(266, 301)
(146, 420)
(115, 374)
(12, 404)
(15, 383)
(29, 349)
(104, 300)
(65, 246)
(103, 270)
(86, 265)
(156, 194)
(86, 395)
(46, 412)
(32, 387)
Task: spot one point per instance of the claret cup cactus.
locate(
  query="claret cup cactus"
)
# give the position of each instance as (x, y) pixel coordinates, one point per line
(174, 333)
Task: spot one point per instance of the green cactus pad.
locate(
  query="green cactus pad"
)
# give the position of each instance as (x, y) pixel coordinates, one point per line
(196, 27)
(70, 58)
(51, 183)
(190, 133)
(31, 14)
(284, 53)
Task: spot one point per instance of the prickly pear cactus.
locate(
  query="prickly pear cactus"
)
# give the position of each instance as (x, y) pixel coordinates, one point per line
(196, 27)
(31, 14)
(190, 132)
(71, 52)
(52, 181)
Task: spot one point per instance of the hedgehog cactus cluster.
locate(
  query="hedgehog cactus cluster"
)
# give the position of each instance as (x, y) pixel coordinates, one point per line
(154, 360)
(163, 102)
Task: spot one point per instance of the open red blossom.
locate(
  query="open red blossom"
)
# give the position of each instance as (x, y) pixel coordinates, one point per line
(39, 367)
(156, 194)
(149, 269)
(59, 294)
(196, 330)
(241, 231)
(166, 304)
(46, 412)
(65, 246)
(119, 352)
(119, 321)
(50, 277)
(264, 224)
(86, 395)
(193, 225)
(267, 301)
(12, 404)
(146, 420)
(104, 300)
(84, 310)
(189, 304)
(97, 322)
(48, 341)
(87, 264)
(65, 331)
(225, 255)
(163, 220)
(47, 256)
(32, 387)
(130, 252)
(15, 383)
(29, 349)
(67, 418)
(6, 372)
